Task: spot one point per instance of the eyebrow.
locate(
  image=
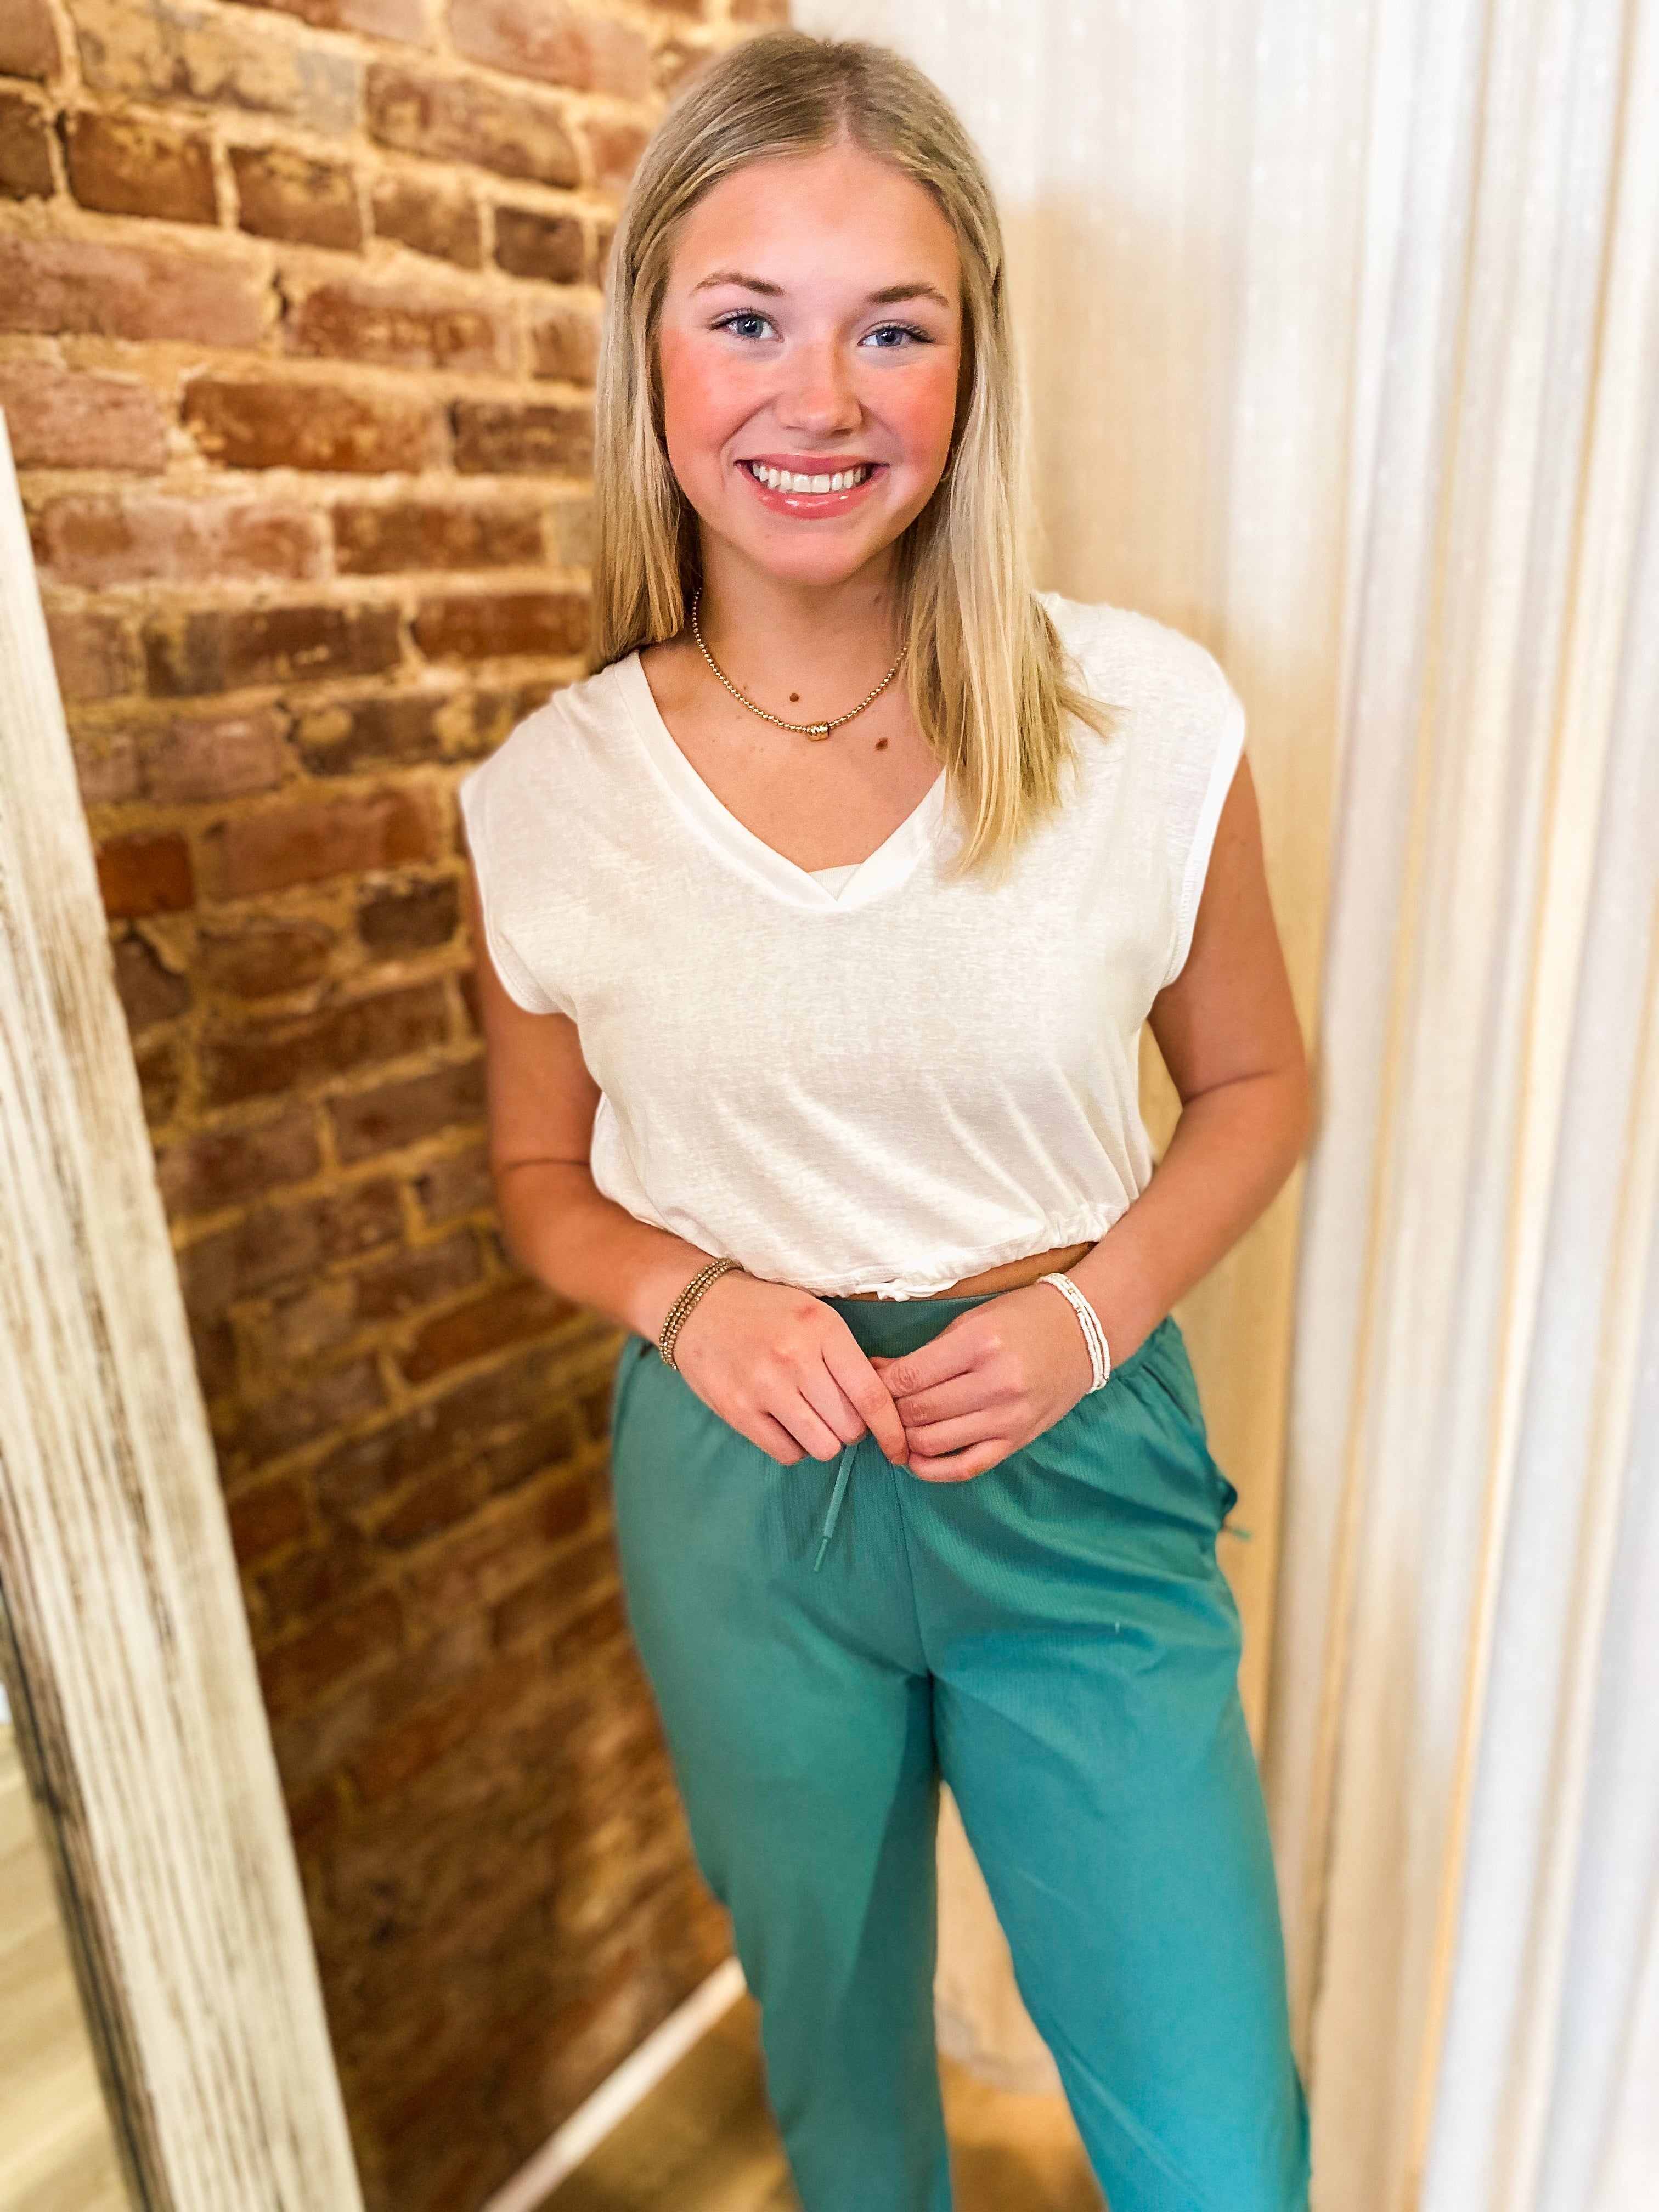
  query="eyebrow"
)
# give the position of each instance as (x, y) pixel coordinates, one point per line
(889, 295)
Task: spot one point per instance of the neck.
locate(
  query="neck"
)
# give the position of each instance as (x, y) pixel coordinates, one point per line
(773, 636)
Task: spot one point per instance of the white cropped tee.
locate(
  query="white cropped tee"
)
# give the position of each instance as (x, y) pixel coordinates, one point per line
(886, 1082)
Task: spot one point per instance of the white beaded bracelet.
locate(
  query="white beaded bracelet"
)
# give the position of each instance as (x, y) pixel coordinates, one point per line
(1100, 1358)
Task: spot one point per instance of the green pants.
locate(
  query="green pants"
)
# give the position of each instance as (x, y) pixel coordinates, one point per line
(1056, 1639)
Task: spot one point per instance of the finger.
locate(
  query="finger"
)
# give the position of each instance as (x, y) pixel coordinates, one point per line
(814, 1436)
(927, 1439)
(949, 1353)
(961, 1467)
(773, 1439)
(944, 1401)
(871, 1398)
(824, 1394)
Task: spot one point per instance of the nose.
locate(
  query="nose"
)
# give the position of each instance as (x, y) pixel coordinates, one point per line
(819, 395)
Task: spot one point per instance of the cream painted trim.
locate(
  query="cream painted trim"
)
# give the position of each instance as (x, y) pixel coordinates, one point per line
(131, 1646)
(619, 2092)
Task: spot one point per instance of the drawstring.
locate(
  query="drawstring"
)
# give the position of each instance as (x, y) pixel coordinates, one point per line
(833, 1514)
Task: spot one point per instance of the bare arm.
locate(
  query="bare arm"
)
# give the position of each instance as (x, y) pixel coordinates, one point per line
(557, 1225)
(1230, 1037)
(1006, 1370)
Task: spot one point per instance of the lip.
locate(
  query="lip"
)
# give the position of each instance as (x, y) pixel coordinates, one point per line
(809, 503)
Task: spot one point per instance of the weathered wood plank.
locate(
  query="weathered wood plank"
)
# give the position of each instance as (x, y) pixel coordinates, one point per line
(114, 1550)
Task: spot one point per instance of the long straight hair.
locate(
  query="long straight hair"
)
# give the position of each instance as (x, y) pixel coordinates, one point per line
(987, 674)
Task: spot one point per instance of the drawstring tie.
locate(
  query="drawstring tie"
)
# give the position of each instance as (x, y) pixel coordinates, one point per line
(833, 1514)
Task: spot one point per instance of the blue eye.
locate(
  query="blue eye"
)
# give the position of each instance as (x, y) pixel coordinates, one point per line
(887, 332)
(751, 316)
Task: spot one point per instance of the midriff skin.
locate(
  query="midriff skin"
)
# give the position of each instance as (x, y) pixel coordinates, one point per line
(1012, 1275)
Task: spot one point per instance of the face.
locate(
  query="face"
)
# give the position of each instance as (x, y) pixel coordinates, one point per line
(811, 344)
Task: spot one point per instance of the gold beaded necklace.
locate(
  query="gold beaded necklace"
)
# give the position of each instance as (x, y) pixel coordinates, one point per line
(801, 729)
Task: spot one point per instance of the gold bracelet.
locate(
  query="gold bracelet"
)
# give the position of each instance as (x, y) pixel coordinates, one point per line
(682, 1304)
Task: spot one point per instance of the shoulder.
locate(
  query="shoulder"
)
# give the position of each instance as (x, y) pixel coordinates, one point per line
(1129, 660)
(547, 757)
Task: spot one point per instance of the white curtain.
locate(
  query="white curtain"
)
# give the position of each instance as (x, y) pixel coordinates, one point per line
(1342, 339)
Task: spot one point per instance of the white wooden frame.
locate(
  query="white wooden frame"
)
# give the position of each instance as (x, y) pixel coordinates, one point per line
(129, 1655)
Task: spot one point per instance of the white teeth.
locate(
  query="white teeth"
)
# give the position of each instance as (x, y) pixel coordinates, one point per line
(784, 480)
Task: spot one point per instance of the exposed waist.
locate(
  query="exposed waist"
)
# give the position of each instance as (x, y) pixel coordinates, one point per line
(1008, 1276)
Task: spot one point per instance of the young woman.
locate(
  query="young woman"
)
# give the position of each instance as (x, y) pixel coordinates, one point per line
(817, 929)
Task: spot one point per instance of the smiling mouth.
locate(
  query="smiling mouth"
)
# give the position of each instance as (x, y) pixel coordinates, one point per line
(798, 481)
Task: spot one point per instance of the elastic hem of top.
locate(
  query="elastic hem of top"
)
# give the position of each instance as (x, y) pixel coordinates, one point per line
(1088, 1228)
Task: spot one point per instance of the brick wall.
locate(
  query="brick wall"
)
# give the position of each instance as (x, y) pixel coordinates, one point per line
(298, 307)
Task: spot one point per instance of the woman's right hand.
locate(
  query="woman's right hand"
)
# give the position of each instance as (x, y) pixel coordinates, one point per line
(784, 1370)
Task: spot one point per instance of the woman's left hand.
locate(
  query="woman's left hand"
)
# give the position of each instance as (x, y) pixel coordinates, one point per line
(997, 1376)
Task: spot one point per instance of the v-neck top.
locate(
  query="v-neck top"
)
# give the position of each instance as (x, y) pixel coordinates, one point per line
(876, 1077)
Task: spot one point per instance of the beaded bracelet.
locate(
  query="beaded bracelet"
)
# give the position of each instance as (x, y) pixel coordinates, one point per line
(1100, 1358)
(687, 1298)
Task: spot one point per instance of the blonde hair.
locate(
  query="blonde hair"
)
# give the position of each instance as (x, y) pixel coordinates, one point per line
(984, 666)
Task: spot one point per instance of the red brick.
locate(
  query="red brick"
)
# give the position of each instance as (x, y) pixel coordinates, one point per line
(511, 438)
(278, 1243)
(544, 38)
(552, 248)
(221, 649)
(265, 958)
(150, 991)
(504, 1552)
(144, 540)
(106, 767)
(82, 285)
(122, 167)
(407, 20)
(144, 874)
(29, 43)
(415, 1279)
(161, 1077)
(399, 1114)
(284, 194)
(268, 847)
(465, 119)
(475, 626)
(431, 1506)
(577, 1576)
(223, 1167)
(759, 11)
(25, 149)
(341, 739)
(478, 1415)
(453, 1187)
(400, 329)
(214, 1343)
(60, 420)
(430, 218)
(93, 655)
(383, 537)
(298, 1327)
(280, 1054)
(224, 757)
(605, 237)
(615, 148)
(215, 59)
(506, 1315)
(405, 918)
(398, 1755)
(301, 1671)
(268, 1518)
(255, 1435)
(565, 343)
(677, 62)
(260, 424)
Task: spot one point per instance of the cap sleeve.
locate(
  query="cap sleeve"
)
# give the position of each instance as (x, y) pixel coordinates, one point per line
(503, 862)
(1204, 742)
